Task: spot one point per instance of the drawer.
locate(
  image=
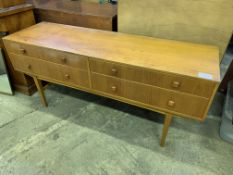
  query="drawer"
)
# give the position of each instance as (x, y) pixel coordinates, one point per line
(49, 70)
(51, 55)
(190, 85)
(115, 86)
(188, 105)
(155, 97)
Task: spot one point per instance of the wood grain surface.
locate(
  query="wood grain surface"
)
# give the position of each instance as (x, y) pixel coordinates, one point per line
(161, 75)
(180, 58)
(15, 9)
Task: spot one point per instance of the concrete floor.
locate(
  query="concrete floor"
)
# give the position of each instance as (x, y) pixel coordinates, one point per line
(84, 134)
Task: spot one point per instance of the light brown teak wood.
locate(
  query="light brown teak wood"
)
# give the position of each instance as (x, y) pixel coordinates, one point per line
(152, 77)
(41, 91)
(167, 122)
(155, 74)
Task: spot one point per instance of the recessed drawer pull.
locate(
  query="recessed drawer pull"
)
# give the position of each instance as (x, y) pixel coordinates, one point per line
(176, 84)
(22, 51)
(114, 88)
(114, 71)
(64, 60)
(67, 76)
(29, 66)
(171, 103)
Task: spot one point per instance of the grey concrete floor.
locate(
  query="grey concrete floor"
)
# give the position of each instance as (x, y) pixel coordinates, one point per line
(84, 134)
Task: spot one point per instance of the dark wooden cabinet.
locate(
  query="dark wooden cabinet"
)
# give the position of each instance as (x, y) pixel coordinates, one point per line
(9, 3)
(77, 13)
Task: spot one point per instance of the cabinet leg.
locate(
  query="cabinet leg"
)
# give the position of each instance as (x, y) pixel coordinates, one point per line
(166, 125)
(40, 91)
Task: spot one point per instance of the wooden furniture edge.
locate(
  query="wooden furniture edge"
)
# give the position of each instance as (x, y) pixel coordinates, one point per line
(216, 80)
(15, 9)
(167, 123)
(40, 90)
(36, 9)
(122, 99)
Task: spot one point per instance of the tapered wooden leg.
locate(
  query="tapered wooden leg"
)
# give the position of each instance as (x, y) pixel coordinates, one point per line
(41, 91)
(166, 125)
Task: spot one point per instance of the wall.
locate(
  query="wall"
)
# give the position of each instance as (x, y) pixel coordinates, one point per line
(200, 21)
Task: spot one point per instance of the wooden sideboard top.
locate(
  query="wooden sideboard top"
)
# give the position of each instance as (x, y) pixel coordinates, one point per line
(195, 60)
(77, 7)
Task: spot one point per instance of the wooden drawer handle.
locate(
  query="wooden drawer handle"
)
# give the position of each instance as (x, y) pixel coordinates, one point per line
(176, 84)
(114, 71)
(114, 88)
(29, 66)
(67, 76)
(64, 60)
(22, 51)
(171, 103)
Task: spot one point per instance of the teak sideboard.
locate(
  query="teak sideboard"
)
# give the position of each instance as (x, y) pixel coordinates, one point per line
(170, 77)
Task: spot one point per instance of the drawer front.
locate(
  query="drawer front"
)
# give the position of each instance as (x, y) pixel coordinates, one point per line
(168, 81)
(49, 70)
(186, 104)
(155, 97)
(114, 86)
(51, 55)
